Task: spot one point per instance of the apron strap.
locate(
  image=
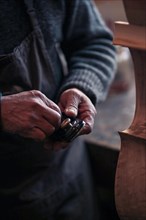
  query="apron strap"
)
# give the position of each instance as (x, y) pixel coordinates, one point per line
(29, 3)
(31, 12)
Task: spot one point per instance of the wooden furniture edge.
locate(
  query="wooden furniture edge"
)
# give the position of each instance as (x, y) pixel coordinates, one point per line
(128, 35)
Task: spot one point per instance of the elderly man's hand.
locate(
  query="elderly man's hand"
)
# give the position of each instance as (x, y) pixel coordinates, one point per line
(75, 103)
(30, 114)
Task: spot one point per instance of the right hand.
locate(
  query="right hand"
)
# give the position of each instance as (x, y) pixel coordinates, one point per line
(30, 114)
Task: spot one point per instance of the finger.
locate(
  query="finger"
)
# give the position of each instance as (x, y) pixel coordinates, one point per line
(51, 116)
(71, 107)
(46, 127)
(35, 134)
(41, 98)
(88, 118)
(51, 104)
(87, 128)
(45, 106)
(69, 102)
(71, 110)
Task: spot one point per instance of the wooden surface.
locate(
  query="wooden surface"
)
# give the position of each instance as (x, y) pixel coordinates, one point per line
(125, 35)
(130, 184)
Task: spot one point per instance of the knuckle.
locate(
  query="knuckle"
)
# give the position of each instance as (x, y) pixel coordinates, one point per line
(36, 93)
(37, 104)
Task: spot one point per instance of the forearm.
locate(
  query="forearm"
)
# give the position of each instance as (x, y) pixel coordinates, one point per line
(89, 52)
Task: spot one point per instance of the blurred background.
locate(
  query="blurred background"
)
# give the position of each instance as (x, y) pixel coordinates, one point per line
(114, 115)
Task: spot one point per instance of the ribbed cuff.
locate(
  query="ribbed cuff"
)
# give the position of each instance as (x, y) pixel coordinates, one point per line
(88, 82)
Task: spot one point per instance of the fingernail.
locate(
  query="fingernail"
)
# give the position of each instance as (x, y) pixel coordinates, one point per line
(71, 110)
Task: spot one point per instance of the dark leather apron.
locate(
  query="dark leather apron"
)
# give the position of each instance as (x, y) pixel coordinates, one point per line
(36, 184)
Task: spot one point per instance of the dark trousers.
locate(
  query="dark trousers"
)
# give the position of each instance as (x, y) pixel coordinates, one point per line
(62, 190)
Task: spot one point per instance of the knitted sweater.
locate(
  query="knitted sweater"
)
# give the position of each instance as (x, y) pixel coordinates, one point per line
(83, 39)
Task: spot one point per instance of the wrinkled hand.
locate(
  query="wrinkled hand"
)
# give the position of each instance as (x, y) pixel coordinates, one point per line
(30, 114)
(75, 103)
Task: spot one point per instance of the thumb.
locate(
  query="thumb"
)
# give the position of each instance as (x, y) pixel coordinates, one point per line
(71, 108)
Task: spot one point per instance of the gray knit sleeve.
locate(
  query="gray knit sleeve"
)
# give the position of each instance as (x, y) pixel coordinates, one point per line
(89, 51)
